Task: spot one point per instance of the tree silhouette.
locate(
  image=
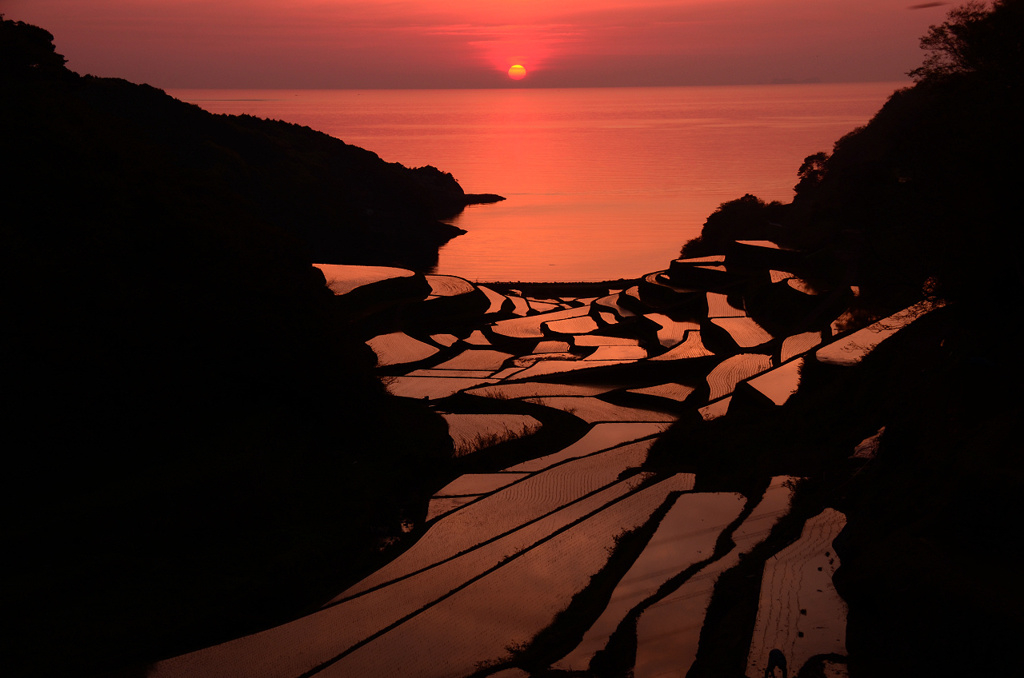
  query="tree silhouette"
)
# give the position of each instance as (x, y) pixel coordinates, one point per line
(746, 218)
(975, 39)
(25, 48)
(811, 172)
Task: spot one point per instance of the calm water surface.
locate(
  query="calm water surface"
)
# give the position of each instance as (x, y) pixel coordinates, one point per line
(600, 183)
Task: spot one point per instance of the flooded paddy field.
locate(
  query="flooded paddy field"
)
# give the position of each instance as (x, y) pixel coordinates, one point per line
(592, 555)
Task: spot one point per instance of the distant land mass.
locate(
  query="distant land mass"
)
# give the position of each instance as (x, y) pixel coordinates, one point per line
(126, 147)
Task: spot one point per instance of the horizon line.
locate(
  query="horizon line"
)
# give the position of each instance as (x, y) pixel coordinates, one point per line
(513, 88)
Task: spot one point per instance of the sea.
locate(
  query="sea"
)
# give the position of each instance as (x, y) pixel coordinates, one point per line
(600, 184)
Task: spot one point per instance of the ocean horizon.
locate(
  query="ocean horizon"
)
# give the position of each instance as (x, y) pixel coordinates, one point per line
(600, 183)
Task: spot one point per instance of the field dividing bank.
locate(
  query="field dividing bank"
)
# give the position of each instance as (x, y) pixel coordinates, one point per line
(582, 413)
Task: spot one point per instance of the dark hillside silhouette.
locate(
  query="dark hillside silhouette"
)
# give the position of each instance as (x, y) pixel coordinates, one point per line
(922, 201)
(925, 195)
(929, 187)
(195, 444)
(125, 147)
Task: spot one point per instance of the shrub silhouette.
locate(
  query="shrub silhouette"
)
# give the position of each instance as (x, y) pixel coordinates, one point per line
(811, 172)
(746, 218)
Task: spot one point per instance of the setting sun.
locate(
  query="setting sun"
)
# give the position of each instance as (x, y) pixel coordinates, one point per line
(517, 72)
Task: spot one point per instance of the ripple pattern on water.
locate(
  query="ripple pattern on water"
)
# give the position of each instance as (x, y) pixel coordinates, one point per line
(668, 632)
(593, 410)
(744, 331)
(691, 348)
(779, 384)
(798, 344)
(800, 611)
(453, 636)
(685, 537)
(733, 370)
(398, 348)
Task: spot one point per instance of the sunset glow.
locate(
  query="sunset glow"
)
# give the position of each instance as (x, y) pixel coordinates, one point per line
(517, 72)
(420, 44)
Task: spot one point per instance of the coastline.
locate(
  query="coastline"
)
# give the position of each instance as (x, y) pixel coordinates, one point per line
(557, 289)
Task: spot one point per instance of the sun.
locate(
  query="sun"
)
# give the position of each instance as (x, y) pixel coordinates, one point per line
(517, 72)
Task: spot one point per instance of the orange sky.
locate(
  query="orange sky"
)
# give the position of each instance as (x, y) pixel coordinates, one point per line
(472, 43)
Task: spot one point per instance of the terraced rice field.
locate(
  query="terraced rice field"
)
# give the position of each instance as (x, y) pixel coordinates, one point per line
(345, 279)
(798, 344)
(780, 383)
(800, 611)
(723, 379)
(744, 331)
(672, 392)
(719, 306)
(715, 409)
(853, 348)
(501, 552)
(668, 631)
(671, 332)
(691, 347)
(593, 410)
(398, 348)
(449, 286)
(685, 537)
(472, 432)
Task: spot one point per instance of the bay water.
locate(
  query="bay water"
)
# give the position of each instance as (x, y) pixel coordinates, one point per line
(600, 183)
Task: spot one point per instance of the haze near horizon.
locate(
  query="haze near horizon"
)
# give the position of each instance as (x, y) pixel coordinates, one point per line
(353, 44)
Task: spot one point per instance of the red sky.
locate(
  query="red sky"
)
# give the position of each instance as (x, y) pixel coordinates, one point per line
(471, 43)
